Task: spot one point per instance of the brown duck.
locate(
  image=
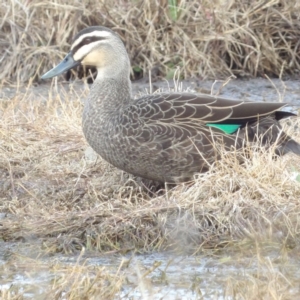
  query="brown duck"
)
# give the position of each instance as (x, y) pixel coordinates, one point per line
(166, 137)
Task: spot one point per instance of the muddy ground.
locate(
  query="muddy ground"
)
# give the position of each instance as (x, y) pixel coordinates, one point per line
(258, 89)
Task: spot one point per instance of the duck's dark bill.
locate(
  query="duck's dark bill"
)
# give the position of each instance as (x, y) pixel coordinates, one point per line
(67, 64)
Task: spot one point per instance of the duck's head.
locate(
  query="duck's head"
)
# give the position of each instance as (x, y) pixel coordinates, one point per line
(95, 46)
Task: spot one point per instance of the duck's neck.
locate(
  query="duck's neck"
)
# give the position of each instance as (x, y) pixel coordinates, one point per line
(103, 107)
(109, 95)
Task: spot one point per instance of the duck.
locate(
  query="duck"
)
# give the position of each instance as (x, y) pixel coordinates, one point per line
(165, 137)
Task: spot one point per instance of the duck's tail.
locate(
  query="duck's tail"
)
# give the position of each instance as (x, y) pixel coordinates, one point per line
(289, 146)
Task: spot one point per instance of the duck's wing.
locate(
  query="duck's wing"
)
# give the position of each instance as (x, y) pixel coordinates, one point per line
(168, 119)
(205, 108)
(178, 131)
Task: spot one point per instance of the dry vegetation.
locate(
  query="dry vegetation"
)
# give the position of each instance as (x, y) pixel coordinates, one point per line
(59, 197)
(63, 281)
(205, 38)
(53, 187)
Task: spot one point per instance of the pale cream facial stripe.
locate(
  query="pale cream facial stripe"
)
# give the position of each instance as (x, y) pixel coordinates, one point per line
(84, 50)
(90, 34)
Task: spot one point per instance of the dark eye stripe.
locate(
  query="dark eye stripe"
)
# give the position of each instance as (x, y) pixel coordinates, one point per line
(87, 40)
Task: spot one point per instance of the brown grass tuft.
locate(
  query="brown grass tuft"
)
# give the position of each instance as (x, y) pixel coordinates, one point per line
(40, 279)
(206, 39)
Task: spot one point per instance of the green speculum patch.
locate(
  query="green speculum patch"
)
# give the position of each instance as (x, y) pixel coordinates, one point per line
(226, 128)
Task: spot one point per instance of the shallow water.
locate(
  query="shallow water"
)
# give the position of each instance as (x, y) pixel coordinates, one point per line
(164, 275)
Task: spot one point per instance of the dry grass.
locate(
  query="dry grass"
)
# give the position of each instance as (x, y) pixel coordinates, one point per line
(53, 189)
(57, 196)
(60, 198)
(53, 280)
(206, 38)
